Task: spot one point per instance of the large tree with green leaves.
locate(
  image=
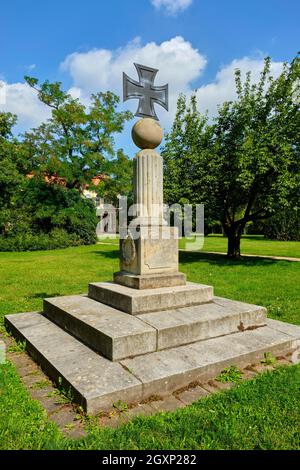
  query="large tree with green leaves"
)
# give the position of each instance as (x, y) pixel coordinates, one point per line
(77, 140)
(13, 167)
(245, 165)
(63, 154)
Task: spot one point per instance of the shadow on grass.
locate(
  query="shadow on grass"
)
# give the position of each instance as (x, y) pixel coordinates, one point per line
(112, 254)
(191, 257)
(212, 258)
(43, 295)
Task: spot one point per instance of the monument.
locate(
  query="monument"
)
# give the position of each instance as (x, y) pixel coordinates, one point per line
(149, 332)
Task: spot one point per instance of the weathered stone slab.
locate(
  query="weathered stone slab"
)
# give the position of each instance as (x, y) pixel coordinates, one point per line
(149, 281)
(136, 302)
(166, 371)
(288, 328)
(2, 352)
(189, 324)
(111, 332)
(95, 382)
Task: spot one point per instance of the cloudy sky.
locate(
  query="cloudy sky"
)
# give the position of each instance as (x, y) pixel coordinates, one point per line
(195, 44)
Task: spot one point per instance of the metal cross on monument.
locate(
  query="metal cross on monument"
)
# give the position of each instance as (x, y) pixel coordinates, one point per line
(145, 91)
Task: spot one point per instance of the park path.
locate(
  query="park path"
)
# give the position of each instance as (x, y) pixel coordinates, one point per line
(246, 255)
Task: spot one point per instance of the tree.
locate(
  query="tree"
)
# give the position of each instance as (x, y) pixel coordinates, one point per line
(119, 181)
(245, 165)
(187, 145)
(13, 167)
(76, 141)
(63, 155)
(33, 213)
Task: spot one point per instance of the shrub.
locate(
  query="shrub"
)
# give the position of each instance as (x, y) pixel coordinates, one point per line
(284, 226)
(33, 242)
(48, 217)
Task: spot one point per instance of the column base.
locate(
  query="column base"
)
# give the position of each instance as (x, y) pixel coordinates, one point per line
(149, 281)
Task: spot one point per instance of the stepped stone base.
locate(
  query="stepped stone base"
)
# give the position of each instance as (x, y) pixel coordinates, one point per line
(149, 281)
(136, 301)
(97, 383)
(121, 343)
(117, 335)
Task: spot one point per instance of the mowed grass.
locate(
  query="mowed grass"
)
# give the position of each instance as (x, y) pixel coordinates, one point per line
(250, 244)
(262, 414)
(27, 278)
(259, 414)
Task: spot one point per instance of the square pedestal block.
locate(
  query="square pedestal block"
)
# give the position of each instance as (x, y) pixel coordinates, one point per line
(154, 252)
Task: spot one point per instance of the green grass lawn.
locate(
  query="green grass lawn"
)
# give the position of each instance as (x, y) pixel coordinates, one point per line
(250, 244)
(27, 278)
(259, 414)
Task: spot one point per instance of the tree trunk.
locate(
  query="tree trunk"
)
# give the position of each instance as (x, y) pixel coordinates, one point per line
(234, 243)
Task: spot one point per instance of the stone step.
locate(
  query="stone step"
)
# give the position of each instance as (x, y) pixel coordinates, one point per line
(136, 302)
(217, 318)
(96, 383)
(111, 332)
(93, 381)
(117, 335)
(169, 370)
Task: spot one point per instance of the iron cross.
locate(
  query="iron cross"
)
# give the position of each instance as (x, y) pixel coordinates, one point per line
(145, 91)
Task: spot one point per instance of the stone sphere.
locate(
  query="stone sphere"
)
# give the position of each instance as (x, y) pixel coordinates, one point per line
(147, 133)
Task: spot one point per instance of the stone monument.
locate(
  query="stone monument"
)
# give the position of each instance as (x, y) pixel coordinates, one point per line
(150, 332)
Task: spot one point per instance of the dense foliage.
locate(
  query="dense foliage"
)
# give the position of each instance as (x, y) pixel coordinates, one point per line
(284, 225)
(245, 165)
(44, 173)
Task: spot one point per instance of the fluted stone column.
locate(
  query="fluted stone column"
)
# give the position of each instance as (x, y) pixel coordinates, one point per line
(148, 186)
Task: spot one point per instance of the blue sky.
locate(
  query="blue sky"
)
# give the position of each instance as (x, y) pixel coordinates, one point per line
(87, 45)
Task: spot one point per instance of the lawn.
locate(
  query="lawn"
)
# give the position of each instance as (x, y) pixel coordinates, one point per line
(261, 414)
(250, 244)
(27, 278)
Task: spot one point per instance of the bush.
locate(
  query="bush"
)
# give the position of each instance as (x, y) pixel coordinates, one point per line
(48, 217)
(284, 226)
(29, 242)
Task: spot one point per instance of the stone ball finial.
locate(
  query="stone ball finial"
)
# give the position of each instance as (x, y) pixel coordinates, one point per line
(147, 133)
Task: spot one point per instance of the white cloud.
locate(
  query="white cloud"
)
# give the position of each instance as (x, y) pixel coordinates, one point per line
(2, 93)
(178, 62)
(30, 67)
(22, 100)
(172, 7)
(223, 87)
